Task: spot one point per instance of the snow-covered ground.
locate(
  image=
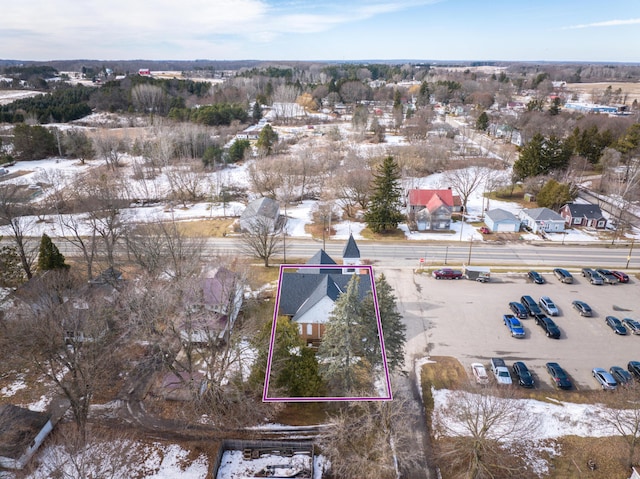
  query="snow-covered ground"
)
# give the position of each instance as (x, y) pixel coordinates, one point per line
(64, 171)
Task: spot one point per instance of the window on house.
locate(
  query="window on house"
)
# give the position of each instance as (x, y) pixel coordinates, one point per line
(309, 329)
(577, 221)
(300, 328)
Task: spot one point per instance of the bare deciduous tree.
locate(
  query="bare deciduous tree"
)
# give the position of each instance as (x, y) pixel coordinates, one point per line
(15, 213)
(161, 249)
(186, 183)
(624, 418)
(466, 181)
(263, 239)
(474, 428)
(372, 439)
(110, 148)
(147, 98)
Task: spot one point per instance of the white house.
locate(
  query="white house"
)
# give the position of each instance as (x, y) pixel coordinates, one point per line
(542, 220)
(499, 220)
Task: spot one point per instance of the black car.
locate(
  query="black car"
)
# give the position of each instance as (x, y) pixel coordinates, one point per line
(535, 277)
(634, 368)
(563, 275)
(620, 375)
(518, 310)
(615, 324)
(547, 324)
(522, 374)
(531, 305)
(583, 308)
(560, 378)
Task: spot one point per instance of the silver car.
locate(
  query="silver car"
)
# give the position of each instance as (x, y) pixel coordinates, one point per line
(548, 306)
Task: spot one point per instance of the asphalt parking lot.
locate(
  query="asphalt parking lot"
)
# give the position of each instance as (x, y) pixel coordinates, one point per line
(463, 319)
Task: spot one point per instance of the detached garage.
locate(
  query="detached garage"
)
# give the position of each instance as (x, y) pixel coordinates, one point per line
(501, 221)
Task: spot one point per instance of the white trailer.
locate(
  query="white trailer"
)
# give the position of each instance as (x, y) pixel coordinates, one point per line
(482, 274)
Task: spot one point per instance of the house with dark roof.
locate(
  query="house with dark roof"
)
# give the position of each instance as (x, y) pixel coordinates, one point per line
(501, 221)
(260, 212)
(542, 220)
(22, 431)
(589, 215)
(308, 294)
(431, 209)
(308, 299)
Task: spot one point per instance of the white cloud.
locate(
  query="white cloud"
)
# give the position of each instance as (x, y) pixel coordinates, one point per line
(608, 23)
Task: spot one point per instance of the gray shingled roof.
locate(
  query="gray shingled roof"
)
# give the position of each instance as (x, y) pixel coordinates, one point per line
(321, 257)
(543, 214)
(351, 250)
(261, 207)
(588, 210)
(296, 289)
(500, 215)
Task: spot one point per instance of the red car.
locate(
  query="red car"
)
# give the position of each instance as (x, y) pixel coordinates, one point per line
(622, 277)
(447, 273)
(484, 230)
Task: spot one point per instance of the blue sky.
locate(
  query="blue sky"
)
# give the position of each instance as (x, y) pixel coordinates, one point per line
(529, 30)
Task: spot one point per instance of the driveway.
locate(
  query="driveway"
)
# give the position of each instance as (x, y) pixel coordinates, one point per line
(463, 319)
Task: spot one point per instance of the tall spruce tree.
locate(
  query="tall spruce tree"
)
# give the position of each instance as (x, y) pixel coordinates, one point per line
(49, 256)
(384, 207)
(342, 362)
(393, 329)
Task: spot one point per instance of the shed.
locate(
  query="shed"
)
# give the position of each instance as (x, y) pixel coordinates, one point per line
(499, 220)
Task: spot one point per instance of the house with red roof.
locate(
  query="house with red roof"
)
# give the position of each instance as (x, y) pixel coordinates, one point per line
(431, 209)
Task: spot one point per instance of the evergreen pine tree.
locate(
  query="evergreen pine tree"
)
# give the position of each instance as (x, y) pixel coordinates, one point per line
(482, 123)
(49, 256)
(393, 329)
(266, 140)
(257, 111)
(341, 355)
(384, 207)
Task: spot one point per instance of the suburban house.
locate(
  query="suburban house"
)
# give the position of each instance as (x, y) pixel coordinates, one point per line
(307, 295)
(589, 215)
(431, 209)
(213, 307)
(262, 212)
(22, 431)
(542, 220)
(501, 221)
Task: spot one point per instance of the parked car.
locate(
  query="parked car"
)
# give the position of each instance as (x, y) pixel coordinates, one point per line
(484, 230)
(548, 306)
(447, 273)
(605, 379)
(479, 373)
(607, 276)
(522, 374)
(535, 277)
(583, 308)
(559, 376)
(593, 276)
(563, 275)
(634, 368)
(622, 277)
(615, 324)
(4, 171)
(621, 375)
(550, 328)
(531, 305)
(514, 325)
(632, 325)
(501, 372)
(518, 310)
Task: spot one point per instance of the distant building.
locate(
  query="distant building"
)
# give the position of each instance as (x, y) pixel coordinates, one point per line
(260, 212)
(430, 209)
(589, 215)
(591, 108)
(542, 220)
(144, 72)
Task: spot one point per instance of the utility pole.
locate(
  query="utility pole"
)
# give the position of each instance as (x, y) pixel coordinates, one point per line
(633, 240)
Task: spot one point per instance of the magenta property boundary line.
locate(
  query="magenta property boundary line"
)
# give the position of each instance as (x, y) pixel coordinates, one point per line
(266, 398)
